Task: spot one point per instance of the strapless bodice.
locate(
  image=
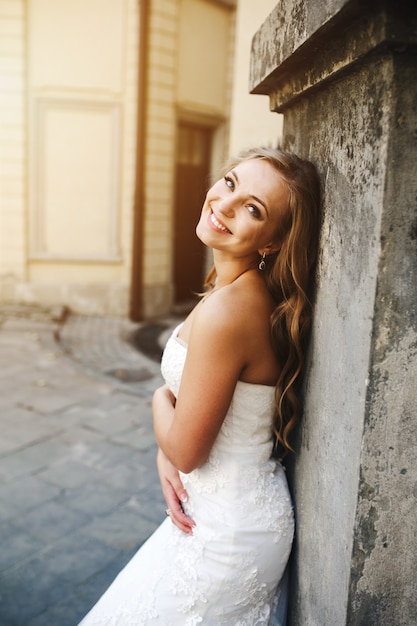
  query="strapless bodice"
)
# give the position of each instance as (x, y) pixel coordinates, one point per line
(248, 422)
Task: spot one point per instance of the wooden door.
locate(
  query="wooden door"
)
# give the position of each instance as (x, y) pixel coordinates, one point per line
(192, 182)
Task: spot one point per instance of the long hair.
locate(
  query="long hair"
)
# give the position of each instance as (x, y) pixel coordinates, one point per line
(289, 275)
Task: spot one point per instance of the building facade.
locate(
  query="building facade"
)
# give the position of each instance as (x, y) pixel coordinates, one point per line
(113, 117)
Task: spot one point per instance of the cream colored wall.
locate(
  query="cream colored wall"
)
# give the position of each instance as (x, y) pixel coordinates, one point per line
(70, 132)
(12, 146)
(251, 121)
(68, 138)
(82, 119)
(188, 78)
(203, 53)
(160, 154)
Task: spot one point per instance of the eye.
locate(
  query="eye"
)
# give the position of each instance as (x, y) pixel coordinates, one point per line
(254, 211)
(229, 182)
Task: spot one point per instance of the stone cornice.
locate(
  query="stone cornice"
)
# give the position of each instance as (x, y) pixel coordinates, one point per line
(303, 44)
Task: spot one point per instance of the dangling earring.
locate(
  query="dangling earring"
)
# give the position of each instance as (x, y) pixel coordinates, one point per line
(262, 263)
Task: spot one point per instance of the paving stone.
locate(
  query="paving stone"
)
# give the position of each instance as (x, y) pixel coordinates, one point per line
(72, 416)
(139, 439)
(79, 437)
(69, 475)
(132, 477)
(79, 489)
(75, 558)
(27, 592)
(31, 459)
(150, 506)
(15, 415)
(91, 590)
(139, 414)
(122, 529)
(7, 512)
(70, 611)
(51, 521)
(95, 497)
(105, 454)
(66, 613)
(28, 430)
(119, 398)
(80, 389)
(26, 493)
(17, 545)
(10, 370)
(23, 325)
(7, 445)
(113, 423)
(45, 400)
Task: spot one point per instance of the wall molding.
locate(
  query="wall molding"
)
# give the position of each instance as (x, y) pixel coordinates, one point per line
(41, 109)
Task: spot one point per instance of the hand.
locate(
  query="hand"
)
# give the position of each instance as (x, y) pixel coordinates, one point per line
(164, 392)
(174, 493)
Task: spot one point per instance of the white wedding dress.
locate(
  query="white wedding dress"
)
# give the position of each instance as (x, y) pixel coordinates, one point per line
(227, 572)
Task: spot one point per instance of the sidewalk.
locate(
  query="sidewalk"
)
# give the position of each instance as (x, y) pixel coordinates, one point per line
(79, 491)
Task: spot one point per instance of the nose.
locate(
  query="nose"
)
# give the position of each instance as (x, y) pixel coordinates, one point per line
(227, 205)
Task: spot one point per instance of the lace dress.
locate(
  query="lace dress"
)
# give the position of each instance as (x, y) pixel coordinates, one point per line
(227, 572)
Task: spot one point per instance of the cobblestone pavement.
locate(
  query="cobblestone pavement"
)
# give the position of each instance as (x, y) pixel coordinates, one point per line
(79, 491)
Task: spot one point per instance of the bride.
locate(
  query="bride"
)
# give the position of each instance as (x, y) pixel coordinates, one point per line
(223, 417)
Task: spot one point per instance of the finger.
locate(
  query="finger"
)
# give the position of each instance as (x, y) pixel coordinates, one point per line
(184, 527)
(182, 522)
(177, 515)
(178, 488)
(174, 492)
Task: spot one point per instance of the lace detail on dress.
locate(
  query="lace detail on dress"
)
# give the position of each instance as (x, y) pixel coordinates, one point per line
(205, 480)
(173, 360)
(251, 595)
(185, 578)
(225, 573)
(267, 500)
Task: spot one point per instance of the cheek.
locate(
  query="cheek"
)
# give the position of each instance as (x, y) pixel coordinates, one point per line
(202, 219)
(264, 235)
(215, 189)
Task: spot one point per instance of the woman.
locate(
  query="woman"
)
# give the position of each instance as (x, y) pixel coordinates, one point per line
(233, 370)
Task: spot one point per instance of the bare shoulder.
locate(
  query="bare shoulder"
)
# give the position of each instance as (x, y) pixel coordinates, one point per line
(239, 311)
(230, 332)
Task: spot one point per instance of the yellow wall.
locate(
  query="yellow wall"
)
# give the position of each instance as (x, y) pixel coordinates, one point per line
(188, 79)
(203, 57)
(12, 146)
(68, 138)
(160, 152)
(66, 209)
(251, 121)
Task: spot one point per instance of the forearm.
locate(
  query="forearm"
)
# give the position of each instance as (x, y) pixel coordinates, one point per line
(163, 416)
(173, 440)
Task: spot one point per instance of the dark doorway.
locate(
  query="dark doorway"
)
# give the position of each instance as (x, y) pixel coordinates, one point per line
(191, 184)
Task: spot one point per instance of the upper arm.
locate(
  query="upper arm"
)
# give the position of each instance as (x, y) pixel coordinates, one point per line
(215, 358)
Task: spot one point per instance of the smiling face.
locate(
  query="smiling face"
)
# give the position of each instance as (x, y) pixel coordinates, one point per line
(243, 211)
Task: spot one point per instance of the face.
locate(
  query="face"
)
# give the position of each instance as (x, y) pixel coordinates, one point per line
(243, 211)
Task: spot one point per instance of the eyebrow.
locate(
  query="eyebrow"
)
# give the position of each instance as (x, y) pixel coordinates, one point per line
(251, 195)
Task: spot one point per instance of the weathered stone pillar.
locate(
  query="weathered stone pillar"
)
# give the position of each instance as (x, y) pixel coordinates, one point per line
(344, 73)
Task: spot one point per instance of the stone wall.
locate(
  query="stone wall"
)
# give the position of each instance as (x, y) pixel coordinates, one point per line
(344, 76)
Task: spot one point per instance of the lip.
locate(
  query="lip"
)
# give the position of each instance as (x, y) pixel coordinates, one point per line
(215, 227)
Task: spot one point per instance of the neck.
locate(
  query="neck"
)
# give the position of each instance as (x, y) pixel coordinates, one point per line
(228, 270)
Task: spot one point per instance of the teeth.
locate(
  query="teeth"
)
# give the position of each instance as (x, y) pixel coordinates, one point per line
(218, 225)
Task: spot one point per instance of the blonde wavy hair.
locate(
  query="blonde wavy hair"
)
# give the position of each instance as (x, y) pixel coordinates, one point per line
(289, 275)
